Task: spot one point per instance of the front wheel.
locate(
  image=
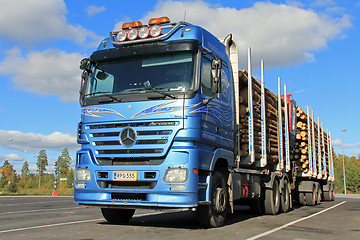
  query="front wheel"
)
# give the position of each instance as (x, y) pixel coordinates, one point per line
(214, 215)
(117, 216)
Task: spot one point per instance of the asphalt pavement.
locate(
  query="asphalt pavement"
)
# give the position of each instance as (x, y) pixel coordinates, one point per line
(46, 217)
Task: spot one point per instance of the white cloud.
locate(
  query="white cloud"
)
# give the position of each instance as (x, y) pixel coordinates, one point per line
(355, 153)
(282, 35)
(34, 21)
(34, 142)
(50, 72)
(93, 10)
(11, 157)
(337, 142)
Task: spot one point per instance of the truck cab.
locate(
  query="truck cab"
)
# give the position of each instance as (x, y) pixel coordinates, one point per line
(156, 120)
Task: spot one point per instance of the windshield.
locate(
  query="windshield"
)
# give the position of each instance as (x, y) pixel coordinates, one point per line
(155, 73)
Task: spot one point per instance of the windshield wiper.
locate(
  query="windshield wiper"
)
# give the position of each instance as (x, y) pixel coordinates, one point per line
(105, 94)
(154, 90)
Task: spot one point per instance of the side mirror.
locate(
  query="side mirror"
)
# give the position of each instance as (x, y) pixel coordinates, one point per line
(85, 64)
(216, 65)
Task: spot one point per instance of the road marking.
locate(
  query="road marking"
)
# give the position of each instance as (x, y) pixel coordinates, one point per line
(50, 225)
(293, 222)
(40, 210)
(75, 222)
(29, 203)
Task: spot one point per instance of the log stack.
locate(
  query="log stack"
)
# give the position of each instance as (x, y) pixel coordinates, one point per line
(301, 149)
(271, 105)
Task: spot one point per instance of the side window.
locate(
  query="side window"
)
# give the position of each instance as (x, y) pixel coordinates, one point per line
(226, 91)
(206, 77)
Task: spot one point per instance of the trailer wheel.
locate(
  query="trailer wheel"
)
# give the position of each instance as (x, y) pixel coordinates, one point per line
(332, 195)
(327, 196)
(272, 199)
(311, 197)
(318, 196)
(285, 197)
(117, 216)
(302, 198)
(214, 215)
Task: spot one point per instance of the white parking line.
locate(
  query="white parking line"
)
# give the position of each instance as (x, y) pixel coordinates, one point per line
(75, 222)
(293, 222)
(40, 210)
(30, 203)
(50, 225)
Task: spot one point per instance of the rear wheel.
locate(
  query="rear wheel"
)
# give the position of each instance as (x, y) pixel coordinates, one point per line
(272, 199)
(214, 215)
(302, 198)
(311, 197)
(114, 215)
(285, 197)
(318, 195)
(327, 196)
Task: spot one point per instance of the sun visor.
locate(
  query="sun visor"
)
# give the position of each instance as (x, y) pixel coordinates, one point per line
(144, 49)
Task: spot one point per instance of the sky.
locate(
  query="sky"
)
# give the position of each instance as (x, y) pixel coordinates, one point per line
(313, 45)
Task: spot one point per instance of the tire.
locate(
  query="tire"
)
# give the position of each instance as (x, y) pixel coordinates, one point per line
(272, 199)
(302, 198)
(117, 216)
(327, 196)
(332, 195)
(285, 197)
(311, 197)
(214, 215)
(318, 196)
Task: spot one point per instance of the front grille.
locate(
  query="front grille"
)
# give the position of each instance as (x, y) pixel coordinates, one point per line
(129, 196)
(152, 141)
(130, 161)
(127, 184)
(130, 151)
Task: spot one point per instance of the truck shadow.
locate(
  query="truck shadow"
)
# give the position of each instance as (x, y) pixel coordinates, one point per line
(186, 219)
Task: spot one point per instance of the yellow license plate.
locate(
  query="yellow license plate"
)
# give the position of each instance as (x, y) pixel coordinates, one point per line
(125, 175)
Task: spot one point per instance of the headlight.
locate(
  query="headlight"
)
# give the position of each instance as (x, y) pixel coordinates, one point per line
(176, 175)
(83, 175)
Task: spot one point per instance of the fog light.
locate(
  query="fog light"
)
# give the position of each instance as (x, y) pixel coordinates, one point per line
(176, 175)
(80, 185)
(178, 187)
(83, 175)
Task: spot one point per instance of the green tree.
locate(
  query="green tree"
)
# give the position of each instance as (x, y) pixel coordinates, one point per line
(24, 175)
(41, 164)
(62, 164)
(9, 179)
(25, 170)
(352, 173)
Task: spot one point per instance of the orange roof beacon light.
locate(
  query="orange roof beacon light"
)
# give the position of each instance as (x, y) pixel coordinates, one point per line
(160, 20)
(132, 25)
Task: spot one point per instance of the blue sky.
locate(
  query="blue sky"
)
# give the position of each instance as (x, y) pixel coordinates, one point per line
(312, 45)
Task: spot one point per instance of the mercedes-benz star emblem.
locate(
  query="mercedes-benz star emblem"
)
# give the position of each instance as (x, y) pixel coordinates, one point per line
(127, 137)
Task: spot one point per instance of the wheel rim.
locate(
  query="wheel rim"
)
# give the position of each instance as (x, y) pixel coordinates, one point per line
(220, 200)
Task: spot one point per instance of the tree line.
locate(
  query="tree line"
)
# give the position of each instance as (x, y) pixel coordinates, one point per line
(12, 182)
